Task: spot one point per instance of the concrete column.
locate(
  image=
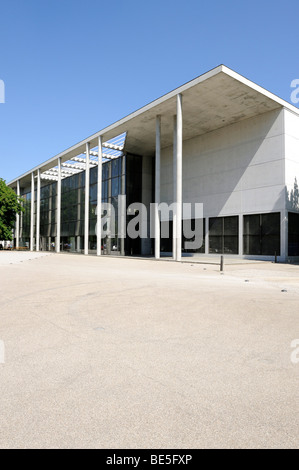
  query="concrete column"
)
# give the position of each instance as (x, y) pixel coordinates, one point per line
(38, 211)
(284, 235)
(78, 246)
(58, 208)
(18, 218)
(174, 249)
(207, 237)
(99, 199)
(86, 217)
(123, 209)
(21, 224)
(49, 219)
(32, 213)
(179, 175)
(241, 231)
(108, 238)
(157, 186)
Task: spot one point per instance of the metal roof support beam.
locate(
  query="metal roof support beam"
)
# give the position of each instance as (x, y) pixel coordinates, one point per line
(80, 159)
(49, 178)
(109, 156)
(69, 167)
(112, 146)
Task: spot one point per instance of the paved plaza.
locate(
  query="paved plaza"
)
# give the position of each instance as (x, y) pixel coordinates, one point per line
(128, 353)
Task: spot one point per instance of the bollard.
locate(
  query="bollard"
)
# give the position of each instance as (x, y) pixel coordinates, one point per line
(221, 263)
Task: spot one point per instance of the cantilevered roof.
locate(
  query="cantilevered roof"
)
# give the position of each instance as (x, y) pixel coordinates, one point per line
(216, 99)
(111, 150)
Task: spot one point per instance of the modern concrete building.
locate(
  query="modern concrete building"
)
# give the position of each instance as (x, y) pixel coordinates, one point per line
(219, 140)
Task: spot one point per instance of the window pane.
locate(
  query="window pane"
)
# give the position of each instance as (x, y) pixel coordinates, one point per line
(262, 234)
(115, 187)
(224, 235)
(293, 234)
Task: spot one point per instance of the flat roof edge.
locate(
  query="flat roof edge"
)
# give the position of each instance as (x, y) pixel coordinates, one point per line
(80, 146)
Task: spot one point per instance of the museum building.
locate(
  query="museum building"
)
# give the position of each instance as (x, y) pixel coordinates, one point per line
(219, 140)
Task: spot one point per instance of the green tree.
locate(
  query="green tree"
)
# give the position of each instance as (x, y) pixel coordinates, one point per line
(10, 206)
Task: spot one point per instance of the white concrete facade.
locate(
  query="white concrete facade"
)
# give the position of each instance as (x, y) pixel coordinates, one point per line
(238, 169)
(291, 127)
(233, 170)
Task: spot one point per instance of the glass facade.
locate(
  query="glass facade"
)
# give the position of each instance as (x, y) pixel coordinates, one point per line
(134, 194)
(122, 175)
(224, 235)
(25, 220)
(261, 234)
(293, 237)
(48, 216)
(166, 243)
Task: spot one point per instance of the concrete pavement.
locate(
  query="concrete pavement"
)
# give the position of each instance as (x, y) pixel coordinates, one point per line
(123, 353)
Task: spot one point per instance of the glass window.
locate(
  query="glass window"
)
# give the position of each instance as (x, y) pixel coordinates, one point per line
(94, 175)
(105, 171)
(224, 235)
(115, 187)
(105, 190)
(261, 234)
(93, 192)
(293, 234)
(116, 168)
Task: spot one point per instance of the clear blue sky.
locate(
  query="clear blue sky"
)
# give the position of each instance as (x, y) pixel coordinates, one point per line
(72, 67)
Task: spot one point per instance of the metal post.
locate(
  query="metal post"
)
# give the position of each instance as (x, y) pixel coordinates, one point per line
(241, 231)
(207, 236)
(179, 185)
(284, 245)
(86, 218)
(221, 263)
(157, 186)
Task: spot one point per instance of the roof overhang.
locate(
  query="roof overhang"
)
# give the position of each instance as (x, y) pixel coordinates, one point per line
(216, 99)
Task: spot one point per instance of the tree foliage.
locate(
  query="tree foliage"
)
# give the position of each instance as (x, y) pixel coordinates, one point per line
(10, 206)
(294, 196)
